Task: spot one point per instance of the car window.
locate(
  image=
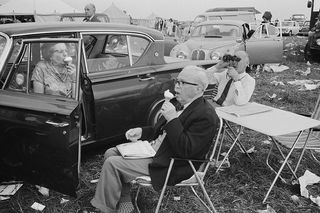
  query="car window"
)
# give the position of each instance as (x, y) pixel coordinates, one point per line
(265, 31)
(200, 19)
(3, 42)
(45, 68)
(113, 51)
(217, 30)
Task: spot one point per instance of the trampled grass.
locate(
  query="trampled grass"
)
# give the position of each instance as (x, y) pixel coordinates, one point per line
(240, 188)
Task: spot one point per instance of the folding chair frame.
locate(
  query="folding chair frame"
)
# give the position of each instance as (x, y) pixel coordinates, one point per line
(235, 138)
(200, 180)
(285, 162)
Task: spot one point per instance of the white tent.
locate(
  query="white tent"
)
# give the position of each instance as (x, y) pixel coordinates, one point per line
(117, 15)
(153, 16)
(36, 6)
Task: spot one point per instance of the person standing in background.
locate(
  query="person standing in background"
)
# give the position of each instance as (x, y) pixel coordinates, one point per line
(90, 11)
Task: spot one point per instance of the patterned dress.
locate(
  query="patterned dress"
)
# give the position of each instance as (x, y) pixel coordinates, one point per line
(53, 81)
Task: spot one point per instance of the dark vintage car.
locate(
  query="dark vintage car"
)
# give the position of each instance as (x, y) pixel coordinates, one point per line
(121, 77)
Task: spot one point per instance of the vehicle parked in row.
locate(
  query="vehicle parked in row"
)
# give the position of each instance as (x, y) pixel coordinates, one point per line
(210, 40)
(121, 75)
(300, 18)
(289, 28)
(304, 30)
(78, 17)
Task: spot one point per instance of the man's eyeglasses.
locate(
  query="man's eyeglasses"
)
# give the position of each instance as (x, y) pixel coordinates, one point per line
(182, 82)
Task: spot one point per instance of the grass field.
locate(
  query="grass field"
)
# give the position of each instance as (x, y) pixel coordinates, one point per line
(240, 188)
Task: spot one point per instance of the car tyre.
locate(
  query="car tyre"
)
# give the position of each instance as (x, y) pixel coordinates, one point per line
(155, 114)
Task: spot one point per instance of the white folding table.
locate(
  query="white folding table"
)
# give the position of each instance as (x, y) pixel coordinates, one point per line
(274, 122)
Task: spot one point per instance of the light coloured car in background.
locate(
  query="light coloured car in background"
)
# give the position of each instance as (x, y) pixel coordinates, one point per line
(289, 28)
(210, 40)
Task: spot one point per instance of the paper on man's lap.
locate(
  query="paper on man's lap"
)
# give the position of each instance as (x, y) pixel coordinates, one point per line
(136, 150)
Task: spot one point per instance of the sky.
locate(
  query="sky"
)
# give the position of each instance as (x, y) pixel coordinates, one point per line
(188, 9)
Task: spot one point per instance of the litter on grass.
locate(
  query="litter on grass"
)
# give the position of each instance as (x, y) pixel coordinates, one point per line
(271, 96)
(251, 150)
(62, 201)
(304, 73)
(8, 190)
(276, 83)
(305, 84)
(43, 190)
(38, 206)
(308, 178)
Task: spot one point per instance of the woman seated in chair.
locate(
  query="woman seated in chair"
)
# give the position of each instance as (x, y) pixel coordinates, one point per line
(55, 75)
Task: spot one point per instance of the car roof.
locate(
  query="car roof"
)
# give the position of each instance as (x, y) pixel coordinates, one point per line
(233, 22)
(80, 14)
(225, 13)
(248, 9)
(20, 29)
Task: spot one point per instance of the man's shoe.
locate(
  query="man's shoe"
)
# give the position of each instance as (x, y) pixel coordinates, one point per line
(125, 207)
(88, 210)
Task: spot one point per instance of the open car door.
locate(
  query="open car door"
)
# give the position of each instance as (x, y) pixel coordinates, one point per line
(265, 45)
(40, 132)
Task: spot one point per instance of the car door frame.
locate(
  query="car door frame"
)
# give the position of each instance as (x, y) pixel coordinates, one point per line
(264, 48)
(44, 131)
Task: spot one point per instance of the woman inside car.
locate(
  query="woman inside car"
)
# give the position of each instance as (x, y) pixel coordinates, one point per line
(55, 75)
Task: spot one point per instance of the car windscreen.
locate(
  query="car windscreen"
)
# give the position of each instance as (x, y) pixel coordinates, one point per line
(216, 30)
(287, 24)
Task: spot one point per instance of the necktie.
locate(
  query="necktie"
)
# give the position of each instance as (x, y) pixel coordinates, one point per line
(224, 93)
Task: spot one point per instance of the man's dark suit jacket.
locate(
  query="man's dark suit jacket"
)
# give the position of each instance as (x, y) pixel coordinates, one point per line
(188, 136)
(94, 19)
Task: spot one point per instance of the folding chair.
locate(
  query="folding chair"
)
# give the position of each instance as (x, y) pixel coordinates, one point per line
(308, 139)
(196, 180)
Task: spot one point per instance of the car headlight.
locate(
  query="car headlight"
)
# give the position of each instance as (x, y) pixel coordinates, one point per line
(318, 41)
(215, 55)
(182, 55)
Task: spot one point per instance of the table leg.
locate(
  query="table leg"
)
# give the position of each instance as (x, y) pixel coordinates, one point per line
(281, 168)
(239, 143)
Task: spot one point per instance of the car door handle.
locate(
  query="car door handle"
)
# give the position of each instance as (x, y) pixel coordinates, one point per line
(56, 124)
(146, 79)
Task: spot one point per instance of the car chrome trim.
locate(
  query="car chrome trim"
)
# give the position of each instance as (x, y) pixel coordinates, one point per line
(6, 50)
(56, 124)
